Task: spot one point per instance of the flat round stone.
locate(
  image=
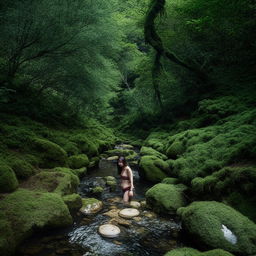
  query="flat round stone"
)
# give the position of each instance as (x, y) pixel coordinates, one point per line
(135, 204)
(129, 213)
(109, 230)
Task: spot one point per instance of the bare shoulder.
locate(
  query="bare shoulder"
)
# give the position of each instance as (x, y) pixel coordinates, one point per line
(128, 168)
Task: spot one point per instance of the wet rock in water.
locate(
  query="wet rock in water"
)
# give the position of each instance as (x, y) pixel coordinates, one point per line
(129, 213)
(165, 198)
(117, 242)
(114, 200)
(135, 204)
(91, 206)
(109, 230)
(149, 214)
(216, 225)
(85, 221)
(193, 252)
(125, 146)
(112, 158)
(116, 219)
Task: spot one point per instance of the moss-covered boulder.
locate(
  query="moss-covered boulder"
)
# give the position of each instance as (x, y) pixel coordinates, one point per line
(71, 148)
(25, 211)
(51, 155)
(78, 161)
(73, 201)
(22, 168)
(165, 198)
(8, 180)
(94, 162)
(80, 172)
(91, 206)
(216, 225)
(85, 145)
(175, 149)
(152, 152)
(153, 168)
(193, 252)
(170, 180)
(60, 181)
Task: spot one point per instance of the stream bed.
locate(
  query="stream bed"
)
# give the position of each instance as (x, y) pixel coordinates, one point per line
(148, 234)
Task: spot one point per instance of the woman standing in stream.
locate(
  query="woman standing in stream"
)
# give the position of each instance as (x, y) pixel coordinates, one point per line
(126, 179)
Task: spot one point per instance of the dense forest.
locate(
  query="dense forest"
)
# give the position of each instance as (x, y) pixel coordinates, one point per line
(174, 79)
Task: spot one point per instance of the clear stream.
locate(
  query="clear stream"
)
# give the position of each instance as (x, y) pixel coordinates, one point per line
(146, 236)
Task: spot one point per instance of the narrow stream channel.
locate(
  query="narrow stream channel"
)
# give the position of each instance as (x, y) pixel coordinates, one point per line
(149, 234)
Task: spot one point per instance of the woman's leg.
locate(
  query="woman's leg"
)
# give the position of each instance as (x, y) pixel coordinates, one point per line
(126, 197)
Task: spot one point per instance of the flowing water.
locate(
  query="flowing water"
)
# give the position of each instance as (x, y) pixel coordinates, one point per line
(146, 235)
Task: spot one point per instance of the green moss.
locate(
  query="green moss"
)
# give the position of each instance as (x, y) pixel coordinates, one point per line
(78, 161)
(8, 180)
(94, 162)
(85, 145)
(170, 181)
(71, 148)
(193, 252)
(204, 220)
(152, 168)
(61, 181)
(73, 201)
(26, 211)
(21, 168)
(98, 190)
(112, 184)
(51, 154)
(176, 149)
(80, 172)
(152, 152)
(165, 198)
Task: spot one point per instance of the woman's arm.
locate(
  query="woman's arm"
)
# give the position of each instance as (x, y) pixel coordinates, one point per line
(131, 177)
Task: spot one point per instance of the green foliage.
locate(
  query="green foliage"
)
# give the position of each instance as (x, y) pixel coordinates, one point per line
(8, 180)
(204, 220)
(165, 198)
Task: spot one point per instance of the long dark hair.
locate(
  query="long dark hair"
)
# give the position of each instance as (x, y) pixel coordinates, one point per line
(123, 160)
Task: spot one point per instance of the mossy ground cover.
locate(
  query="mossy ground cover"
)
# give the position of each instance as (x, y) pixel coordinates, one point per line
(193, 252)
(25, 211)
(165, 198)
(204, 222)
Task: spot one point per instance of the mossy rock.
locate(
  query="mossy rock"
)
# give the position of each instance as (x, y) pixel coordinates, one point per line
(110, 178)
(176, 149)
(8, 180)
(21, 168)
(91, 206)
(153, 169)
(61, 181)
(165, 198)
(85, 145)
(120, 152)
(97, 190)
(71, 148)
(112, 184)
(208, 221)
(73, 201)
(170, 180)
(152, 152)
(80, 172)
(193, 252)
(78, 161)
(25, 211)
(94, 162)
(51, 155)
